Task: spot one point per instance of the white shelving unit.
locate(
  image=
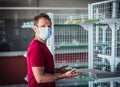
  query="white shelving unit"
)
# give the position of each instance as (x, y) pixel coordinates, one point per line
(71, 46)
(104, 41)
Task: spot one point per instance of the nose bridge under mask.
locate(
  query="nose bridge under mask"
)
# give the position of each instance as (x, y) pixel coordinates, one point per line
(44, 33)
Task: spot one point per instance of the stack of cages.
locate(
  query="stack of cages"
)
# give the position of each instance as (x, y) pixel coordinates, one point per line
(106, 39)
(71, 46)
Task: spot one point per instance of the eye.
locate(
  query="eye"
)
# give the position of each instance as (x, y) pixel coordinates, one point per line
(50, 26)
(43, 26)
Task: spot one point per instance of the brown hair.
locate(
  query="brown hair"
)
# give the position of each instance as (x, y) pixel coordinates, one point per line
(40, 15)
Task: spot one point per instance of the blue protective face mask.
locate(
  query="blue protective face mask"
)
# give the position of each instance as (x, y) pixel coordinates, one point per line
(44, 33)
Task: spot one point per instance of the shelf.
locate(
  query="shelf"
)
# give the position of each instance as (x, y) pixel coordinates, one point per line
(66, 25)
(100, 45)
(109, 58)
(70, 51)
(74, 46)
(100, 24)
(76, 86)
(82, 21)
(12, 53)
(80, 67)
(101, 65)
(98, 75)
(85, 78)
(111, 21)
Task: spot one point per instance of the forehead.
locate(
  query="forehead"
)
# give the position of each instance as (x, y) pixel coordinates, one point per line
(44, 21)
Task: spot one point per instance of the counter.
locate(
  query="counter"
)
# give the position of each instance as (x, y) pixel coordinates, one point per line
(13, 68)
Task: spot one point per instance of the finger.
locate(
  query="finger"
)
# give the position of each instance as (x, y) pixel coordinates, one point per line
(68, 69)
(73, 70)
(63, 67)
(76, 74)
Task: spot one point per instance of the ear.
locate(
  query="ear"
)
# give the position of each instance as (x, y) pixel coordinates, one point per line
(35, 28)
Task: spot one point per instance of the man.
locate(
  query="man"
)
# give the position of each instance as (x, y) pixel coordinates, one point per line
(41, 72)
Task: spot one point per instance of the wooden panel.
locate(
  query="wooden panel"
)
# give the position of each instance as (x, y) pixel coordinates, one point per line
(12, 70)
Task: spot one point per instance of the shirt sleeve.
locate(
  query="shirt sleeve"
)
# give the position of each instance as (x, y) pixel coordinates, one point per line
(37, 57)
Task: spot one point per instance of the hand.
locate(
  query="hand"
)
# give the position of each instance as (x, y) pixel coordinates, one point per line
(71, 73)
(61, 69)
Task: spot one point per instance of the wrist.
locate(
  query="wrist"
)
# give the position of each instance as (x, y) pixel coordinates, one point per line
(61, 76)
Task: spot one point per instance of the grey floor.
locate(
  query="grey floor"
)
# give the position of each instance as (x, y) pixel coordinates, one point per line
(20, 85)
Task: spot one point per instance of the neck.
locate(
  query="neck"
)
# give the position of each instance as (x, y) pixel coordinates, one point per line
(39, 39)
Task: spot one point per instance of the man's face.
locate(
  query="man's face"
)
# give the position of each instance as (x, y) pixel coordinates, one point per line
(43, 22)
(43, 29)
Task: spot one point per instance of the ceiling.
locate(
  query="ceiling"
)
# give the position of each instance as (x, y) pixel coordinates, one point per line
(46, 3)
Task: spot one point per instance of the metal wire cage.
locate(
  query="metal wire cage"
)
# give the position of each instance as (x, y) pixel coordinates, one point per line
(95, 48)
(71, 46)
(105, 39)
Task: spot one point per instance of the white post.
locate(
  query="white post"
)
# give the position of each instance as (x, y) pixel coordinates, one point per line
(114, 9)
(113, 46)
(90, 41)
(104, 38)
(97, 36)
(114, 15)
(104, 43)
(50, 41)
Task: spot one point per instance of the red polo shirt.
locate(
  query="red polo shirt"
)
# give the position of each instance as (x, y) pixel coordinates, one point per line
(38, 55)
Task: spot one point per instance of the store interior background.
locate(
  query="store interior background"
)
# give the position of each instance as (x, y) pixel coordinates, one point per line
(15, 18)
(13, 68)
(46, 3)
